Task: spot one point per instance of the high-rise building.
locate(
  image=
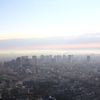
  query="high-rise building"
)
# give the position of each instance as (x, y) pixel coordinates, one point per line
(88, 58)
(34, 60)
(35, 64)
(70, 57)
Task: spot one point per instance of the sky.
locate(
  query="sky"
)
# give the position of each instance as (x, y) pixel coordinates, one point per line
(49, 24)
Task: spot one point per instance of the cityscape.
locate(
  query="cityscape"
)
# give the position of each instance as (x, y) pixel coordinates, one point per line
(51, 77)
(49, 49)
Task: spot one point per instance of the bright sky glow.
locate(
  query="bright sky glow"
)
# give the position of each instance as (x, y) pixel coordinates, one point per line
(48, 18)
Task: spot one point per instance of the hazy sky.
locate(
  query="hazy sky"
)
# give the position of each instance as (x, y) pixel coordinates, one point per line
(49, 18)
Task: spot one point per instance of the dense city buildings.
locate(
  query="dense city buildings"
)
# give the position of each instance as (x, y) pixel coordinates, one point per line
(54, 77)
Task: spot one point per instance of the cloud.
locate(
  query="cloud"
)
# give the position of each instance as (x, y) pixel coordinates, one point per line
(83, 41)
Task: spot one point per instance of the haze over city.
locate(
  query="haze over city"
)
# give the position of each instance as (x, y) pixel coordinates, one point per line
(49, 49)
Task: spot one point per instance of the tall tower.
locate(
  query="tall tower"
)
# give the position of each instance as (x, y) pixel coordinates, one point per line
(34, 60)
(34, 63)
(70, 57)
(88, 58)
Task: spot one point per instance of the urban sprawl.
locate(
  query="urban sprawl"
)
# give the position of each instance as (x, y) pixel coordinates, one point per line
(51, 77)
